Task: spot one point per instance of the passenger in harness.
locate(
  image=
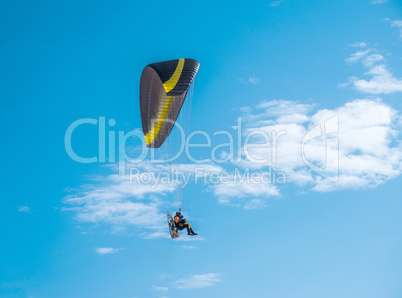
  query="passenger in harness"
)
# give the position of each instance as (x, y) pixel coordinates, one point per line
(181, 223)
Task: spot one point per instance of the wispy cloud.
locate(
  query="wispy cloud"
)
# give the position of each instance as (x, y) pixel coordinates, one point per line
(160, 289)
(154, 235)
(368, 152)
(372, 59)
(165, 275)
(275, 3)
(24, 209)
(115, 200)
(254, 80)
(378, 1)
(185, 238)
(123, 201)
(107, 250)
(190, 247)
(357, 56)
(359, 44)
(251, 80)
(396, 24)
(380, 81)
(198, 281)
(240, 193)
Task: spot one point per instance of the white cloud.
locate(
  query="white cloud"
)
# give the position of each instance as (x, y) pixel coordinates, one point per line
(365, 150)
(397, 24)
(360, 44)
(116, 201)
(198, 281)
(186, 238)
(366, 153)
(107, 250)
(190, 247)
(148, 235)
(25, 209)
(165, 275)
(378, 1)
(357, 56)
(254, 80)
(255, 204)
(251, 80)
(279, 109)
(123, 201)
(372, 59)
(275, 3)
(237, 192)
(160, 289)
(381, 80)
(106, 204)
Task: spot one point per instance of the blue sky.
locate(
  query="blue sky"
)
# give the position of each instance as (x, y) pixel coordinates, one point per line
(80, 230)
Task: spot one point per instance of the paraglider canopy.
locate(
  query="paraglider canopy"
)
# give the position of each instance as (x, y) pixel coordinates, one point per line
(163, 89)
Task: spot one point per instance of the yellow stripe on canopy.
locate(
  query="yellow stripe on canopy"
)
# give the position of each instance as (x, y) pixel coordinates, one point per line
(171, 83)
(153, 134)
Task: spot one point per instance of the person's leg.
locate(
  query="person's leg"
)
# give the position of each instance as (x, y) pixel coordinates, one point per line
(190, 230)
(181, 227)
(188, 226)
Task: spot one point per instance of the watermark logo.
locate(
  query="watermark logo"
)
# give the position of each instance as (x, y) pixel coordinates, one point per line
(175, 177)
(325, 139)
(257, 147)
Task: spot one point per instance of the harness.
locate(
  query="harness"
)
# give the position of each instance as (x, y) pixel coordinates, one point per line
(179, 222)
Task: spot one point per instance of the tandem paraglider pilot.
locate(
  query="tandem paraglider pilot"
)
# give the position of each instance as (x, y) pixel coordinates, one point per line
(181, 224)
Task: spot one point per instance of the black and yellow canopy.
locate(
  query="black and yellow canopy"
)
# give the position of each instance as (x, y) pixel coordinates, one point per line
(163, 88)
